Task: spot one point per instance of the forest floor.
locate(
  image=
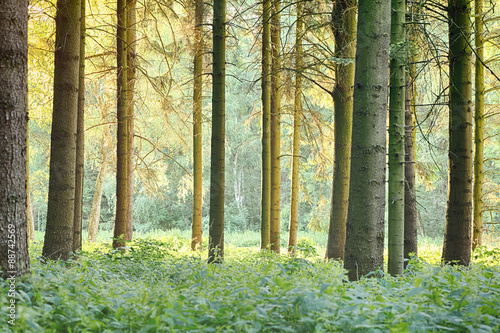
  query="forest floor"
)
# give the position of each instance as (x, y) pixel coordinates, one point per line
(159, 285)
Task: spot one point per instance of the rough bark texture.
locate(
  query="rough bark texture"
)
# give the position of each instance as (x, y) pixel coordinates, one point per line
(396, 192)
(14, 258)
(344, 28)
(365, 219)
(61, 203)
(275, 127)
(294, 196)
(120, 232)
(197, 233)
(457, 239)
(265, 227)
(217, 165)
(477, 236)
(80, 140)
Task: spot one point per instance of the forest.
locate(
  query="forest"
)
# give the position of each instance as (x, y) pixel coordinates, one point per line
(249, 166)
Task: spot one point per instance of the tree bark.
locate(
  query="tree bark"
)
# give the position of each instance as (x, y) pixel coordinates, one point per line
(275, 125)
(365, 219)
(14, 258)
(217, 165)
(197, 232)
(397, 138)
(59, 231)
(297, 115)
(30, 228)
(477, 237)
(344, 28)
(265, 227)
(120, 233)
(457, 238)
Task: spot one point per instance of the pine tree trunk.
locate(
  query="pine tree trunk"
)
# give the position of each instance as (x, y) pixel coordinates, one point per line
(95, 213)
(294, 197)
(397, 138)
(477, 237)
(14, 258)
(122, 152)
(457, 239)
(275, 128)
(265, 227)
(197, 232)
(344, 26)
(365, 219)
(217, 165)
(61, 202)
(80, 140)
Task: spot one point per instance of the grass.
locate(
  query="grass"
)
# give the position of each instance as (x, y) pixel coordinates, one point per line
(159, 285)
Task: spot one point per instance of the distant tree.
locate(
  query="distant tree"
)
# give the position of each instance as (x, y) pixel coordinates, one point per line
(457, 238)
(364, 251)
(344, 28)
(15, 260)
(59, 231)
(265, 227)
(217, 164)
(196, 235)
(297, 115)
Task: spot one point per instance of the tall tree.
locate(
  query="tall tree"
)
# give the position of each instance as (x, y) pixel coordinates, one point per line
(365, 218)
(120, 233)
(80, 140)
(457, 238)
(275, 125)
(197, 233)
(29, 207)
(344, 29)
(477, 237)
(265, 227)
(297, 115)
(59, 231)
(217, 164)
(397, 99)
(15, 259)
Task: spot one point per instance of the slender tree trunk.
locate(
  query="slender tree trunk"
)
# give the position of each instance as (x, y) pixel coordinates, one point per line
(59, 231)
(265, 227)
(14, 258)
(122, 152)
(131, 78)
(294, 201)
(29, 207)
(344, 28)
(95, 213)
(457, 239)
(410, 211)
(365, 219)
(397, 138)
(477, 238)
(217, 165)
(275, 127)
(80, 140)
(197, 232)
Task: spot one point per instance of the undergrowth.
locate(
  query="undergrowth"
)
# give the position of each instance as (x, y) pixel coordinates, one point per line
(159, 285)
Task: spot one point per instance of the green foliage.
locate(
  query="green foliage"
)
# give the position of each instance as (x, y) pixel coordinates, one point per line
(159, 285)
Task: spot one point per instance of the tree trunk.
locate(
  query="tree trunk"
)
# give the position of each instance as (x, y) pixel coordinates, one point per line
(197, 232)
(275, 127)
(30, 228)
(80, 140)
(457, 238)
(120, 233)
(477, 238)
(265, 227)
(131, 78)
(15, 260)
(61, 203)
(294, 201)
(95, 213)
(217, 165)
(397, 138)
(344, 28)
(365, 219)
